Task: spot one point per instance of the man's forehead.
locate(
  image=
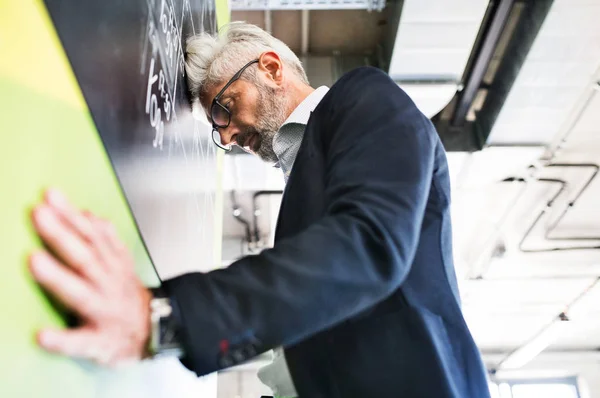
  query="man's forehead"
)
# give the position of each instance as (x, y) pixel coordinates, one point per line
(209, 93)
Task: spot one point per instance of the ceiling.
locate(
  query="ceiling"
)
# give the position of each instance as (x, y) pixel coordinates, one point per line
(560, 64)
(550, 114)
(348, 31)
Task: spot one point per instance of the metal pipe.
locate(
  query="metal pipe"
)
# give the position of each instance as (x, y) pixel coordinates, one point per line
(546, 210)
(237, 214)
(569, 124)
(305, 36)
(571, 203)
(480, 267)
(268, 22)
(544, 337)
(236, 209)
(535, 345)
(256, 210)
(570, 355)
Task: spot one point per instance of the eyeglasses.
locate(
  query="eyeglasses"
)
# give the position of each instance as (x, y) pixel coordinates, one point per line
(220, 114)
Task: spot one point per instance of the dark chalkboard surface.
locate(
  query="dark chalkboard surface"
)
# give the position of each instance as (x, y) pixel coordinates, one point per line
(128, 59)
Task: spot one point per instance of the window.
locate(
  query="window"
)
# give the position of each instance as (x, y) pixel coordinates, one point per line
(535, 388)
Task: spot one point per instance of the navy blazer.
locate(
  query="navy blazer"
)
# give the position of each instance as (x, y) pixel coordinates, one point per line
(360, 286)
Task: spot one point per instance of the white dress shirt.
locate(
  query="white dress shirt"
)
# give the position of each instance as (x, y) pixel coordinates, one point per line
(286, 144)
(289, 137)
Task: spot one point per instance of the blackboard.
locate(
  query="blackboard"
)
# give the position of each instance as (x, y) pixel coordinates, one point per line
(128, 57)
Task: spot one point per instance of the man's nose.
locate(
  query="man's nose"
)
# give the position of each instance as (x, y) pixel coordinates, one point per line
(227, 134)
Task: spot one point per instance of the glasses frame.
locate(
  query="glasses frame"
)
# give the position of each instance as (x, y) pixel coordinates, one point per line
(215, 102)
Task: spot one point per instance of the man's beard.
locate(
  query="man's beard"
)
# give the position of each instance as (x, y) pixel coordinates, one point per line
(271, 113)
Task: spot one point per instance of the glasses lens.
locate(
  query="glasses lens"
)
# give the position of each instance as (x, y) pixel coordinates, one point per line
(219, 115)
(217, 140)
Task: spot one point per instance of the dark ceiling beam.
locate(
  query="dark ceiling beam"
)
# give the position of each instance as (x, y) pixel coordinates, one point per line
(500, 11)
(458, 133)
(530, 22)
(458, 139)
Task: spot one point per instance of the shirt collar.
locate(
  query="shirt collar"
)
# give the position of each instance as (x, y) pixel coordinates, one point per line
(301, 114)
(287, 140)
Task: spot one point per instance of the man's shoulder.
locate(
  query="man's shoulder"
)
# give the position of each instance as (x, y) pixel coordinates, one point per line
(365, 85)
(364, 72)
(362, 78)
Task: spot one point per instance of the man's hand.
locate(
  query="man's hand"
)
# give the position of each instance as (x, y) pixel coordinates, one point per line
(90, 271)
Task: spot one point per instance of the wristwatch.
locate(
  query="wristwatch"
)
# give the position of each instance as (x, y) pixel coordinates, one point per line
(164, 334)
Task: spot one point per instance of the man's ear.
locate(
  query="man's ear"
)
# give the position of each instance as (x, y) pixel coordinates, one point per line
(270, 64)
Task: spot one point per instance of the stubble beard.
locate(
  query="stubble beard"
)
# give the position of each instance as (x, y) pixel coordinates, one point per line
(271, 114)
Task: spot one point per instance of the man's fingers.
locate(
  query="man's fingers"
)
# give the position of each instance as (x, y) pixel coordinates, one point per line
(83, 343)
(116, 250)
(65, 285)
(111, 234)
(82, 222)
(69, 214)
(70, 247)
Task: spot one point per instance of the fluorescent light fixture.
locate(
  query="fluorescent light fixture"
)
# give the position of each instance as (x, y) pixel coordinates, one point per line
(524, 354)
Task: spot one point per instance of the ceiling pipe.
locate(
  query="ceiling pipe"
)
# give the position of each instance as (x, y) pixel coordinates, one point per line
(543, 338)
(546, 210)
(481, 265)
(572, 202)
(285, 5)
(268, 21)
(256, 212)
(305, 35)
(236, 211)
(550, 356)
(575, 116)
(535, 345)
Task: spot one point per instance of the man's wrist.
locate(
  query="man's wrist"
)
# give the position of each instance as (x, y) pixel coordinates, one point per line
(164, 327)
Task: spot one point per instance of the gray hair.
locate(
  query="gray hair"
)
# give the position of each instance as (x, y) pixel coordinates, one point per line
(214, 59)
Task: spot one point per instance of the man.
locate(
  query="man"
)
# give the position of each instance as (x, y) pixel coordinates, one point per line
(359, 288)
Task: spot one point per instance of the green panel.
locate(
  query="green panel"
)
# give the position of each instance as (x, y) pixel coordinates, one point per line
(57, 146)
(46, 142)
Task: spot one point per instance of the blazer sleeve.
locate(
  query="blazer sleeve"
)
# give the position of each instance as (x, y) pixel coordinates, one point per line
(380, 156)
